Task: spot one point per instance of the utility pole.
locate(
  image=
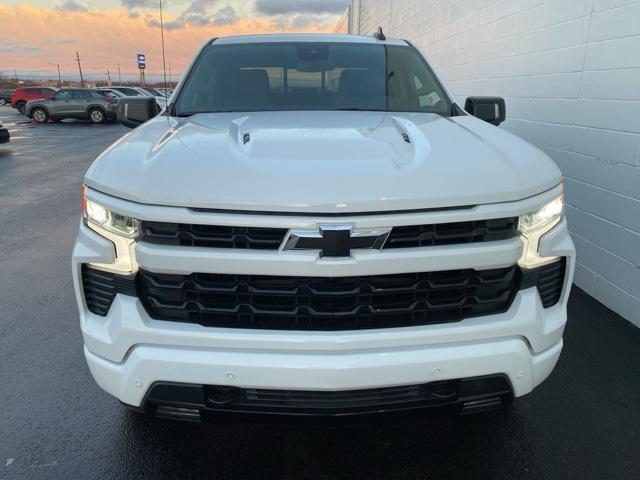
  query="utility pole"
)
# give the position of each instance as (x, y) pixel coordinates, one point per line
(108, 78)
(59, 78)
(170, 81)
(119, 75)
(80, 69)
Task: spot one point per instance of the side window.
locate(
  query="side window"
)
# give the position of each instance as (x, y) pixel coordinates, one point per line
(63, 95)
(81, 95)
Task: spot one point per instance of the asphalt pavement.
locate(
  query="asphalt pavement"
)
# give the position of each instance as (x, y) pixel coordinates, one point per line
(55, 423)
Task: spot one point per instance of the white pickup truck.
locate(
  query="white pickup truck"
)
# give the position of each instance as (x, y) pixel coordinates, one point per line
(314, 227)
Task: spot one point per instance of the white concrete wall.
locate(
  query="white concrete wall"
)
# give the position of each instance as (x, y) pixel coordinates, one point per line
(570, 73)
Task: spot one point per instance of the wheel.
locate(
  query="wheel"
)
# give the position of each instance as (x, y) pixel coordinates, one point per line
(96, 115)
(40, 115)
(3, 101)
(20, 106)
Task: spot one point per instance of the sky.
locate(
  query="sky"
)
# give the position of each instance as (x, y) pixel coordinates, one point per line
(37, 35)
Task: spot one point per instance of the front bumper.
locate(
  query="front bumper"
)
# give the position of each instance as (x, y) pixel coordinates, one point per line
(163, 351)
(128, 352)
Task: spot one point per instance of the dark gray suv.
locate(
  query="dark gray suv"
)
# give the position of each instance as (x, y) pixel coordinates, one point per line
(83, 103)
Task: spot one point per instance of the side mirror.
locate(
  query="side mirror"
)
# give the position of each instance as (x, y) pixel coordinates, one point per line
(489, 109)
(134, 111)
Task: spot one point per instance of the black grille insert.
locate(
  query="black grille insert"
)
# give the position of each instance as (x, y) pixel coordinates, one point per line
(190, 401)
(100, 288)
(319, 303)
(550, 280)
(260, 238)
(452, 233)
(213, 236)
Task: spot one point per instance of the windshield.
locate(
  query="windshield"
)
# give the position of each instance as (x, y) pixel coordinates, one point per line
(152, 91)
(311, 76)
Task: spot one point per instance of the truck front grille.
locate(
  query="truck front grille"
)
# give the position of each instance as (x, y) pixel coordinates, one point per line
(213, 236)
(192, 235)
(319, 303)
(452, 233)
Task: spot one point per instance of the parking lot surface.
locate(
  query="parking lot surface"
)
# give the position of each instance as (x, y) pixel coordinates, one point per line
(582, 423)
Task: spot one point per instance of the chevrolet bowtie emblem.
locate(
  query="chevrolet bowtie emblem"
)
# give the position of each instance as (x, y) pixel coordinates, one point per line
(336, 240)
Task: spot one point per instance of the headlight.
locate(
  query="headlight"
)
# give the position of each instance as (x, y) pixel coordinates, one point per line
(533, 226)
(109, 220)
(542, 218)
(121, 230)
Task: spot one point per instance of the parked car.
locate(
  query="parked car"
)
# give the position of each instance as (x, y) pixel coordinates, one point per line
(161, 99)
(5, 96)
(140, 91)
(4, 133)
(23, 95)
(315, 227)
(111, 91)
(125, 91)
(91, 104)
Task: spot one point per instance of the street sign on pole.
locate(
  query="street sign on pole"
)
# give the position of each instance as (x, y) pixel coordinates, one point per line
(142, 64)
(142, 61)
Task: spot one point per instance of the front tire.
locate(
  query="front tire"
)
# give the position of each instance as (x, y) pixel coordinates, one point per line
(20, 106)
(96, 116)
(40, 115)
(3, 101)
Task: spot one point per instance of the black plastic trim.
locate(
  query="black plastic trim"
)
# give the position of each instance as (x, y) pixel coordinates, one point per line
(184, 401)
(269, 238)
(548, 279)
(101, 287)
(327, 304)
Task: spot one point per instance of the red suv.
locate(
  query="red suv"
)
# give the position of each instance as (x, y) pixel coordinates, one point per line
(22, 95)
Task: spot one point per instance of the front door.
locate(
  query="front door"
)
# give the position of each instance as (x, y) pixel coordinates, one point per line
(60, 104)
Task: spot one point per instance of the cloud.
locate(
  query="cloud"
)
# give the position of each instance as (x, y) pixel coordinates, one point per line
(108, 37)
(131, 4)
(199, 13)
(199, 7)
(6, 46)
(72, 6)
(225, 16)
(283, 7)
(174, 24)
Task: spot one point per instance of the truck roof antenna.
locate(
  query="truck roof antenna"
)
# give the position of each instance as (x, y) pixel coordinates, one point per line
(379, 35)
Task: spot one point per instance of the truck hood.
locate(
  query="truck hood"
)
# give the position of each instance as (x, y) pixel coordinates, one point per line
(323, 162)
